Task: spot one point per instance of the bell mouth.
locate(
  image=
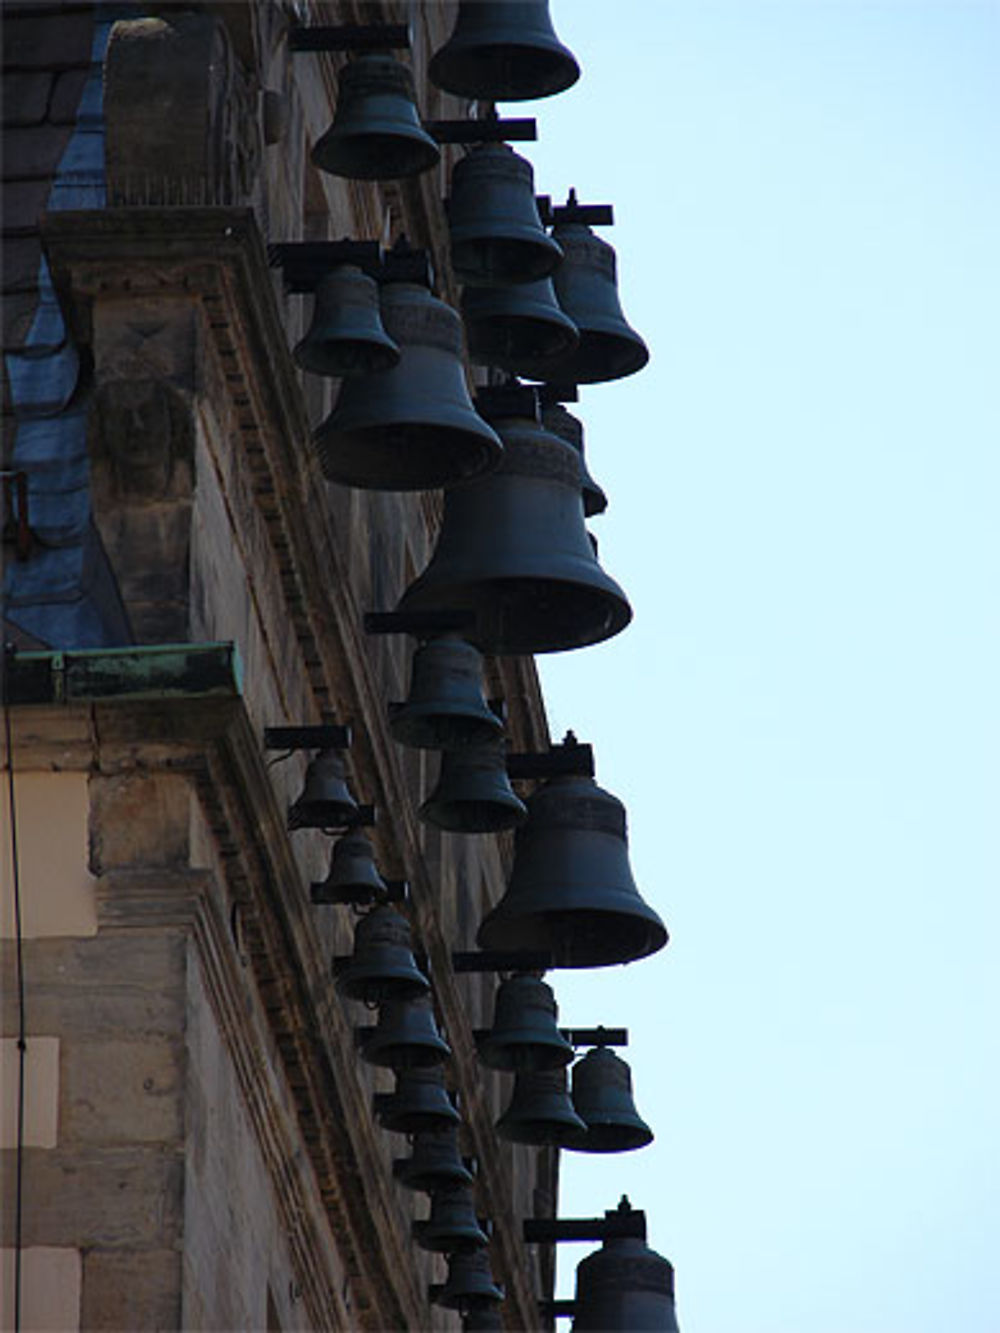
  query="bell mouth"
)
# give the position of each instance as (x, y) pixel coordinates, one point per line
(505, 73)
(341, 357)
(600, 357)
(575, 937)
(610, 1138)
(503, 260)
(436, 730)
(533, 615)
(375, 156)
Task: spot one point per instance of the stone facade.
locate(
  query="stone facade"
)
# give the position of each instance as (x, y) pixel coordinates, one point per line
(199, 1149)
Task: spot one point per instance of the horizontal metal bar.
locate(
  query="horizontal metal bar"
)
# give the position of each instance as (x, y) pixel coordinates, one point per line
(557, 1309)
(590, 215)
(350, 37)
(162, 673)
(304, 263)
(630, 1225)
(329, 736)
(551, 393)
(596, 1036)
(485, 129)
(560, 761)
(396, 891)
(507, 400)
(494, 960)
(365, 818)
(421, 624)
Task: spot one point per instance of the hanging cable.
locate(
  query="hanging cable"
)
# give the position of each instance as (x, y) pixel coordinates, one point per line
(22, 1045)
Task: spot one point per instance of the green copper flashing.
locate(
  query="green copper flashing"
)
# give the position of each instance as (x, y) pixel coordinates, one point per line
(160, 671)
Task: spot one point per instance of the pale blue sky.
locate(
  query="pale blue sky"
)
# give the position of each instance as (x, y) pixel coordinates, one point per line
(804, 718)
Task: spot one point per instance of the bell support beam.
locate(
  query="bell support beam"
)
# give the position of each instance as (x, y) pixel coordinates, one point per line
(304, 263)
(557, 1309)
(496, 960)
(561, 761)
(421, 624)
(577, 1036)
(329, 736)
(350, 37)
(618, 1224)
(588, 215)
(498, 401)
(396, 891)
(485, 129)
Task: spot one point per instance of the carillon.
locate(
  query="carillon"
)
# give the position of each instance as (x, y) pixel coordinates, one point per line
(504, 51)
(346, 336)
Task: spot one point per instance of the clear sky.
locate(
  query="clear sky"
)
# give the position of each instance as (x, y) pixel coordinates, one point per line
(804, 717)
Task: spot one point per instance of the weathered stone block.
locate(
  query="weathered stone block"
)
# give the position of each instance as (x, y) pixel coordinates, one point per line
(41, 43)
(109, 1197)
(35, 151)
(122, 1091)
(66, 96)
(131, 1289)
(139, 820)
(26, 97)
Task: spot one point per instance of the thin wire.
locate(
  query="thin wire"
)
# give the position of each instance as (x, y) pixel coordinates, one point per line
(22, 1045)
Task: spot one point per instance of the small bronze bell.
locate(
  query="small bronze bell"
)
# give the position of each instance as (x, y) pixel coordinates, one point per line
(571, 891)
(602, 1098)
(446, 709)
(353, 877)
(452, 1225)
(520, 329)
(473, 792)
(376, 132)
(514, 550)
(586, 286)
(524, 1035)
(382, 966)
(540, 1110)
(405, 1037)
(569, 428)
(435, 1163)
(624, 1287)
(413, 427)
(496, 232)
(470, 1282)
(418, 1105)
(503, 51)
(346, 336)
(325, 802)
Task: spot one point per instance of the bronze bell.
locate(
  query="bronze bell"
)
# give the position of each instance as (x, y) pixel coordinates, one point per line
(517, 327)
(624, 1287)
(473, 792)
(571, 890)
(434, 1164)
(470, 1282)
(587, 290)
(413, 427)
(569, 428)
(353, 876)
(446, 708)
(376, 132)
(496, 232)
(346, 336)
(452, 1225)
(514, 550)
(503, 51)
(419, 1104)
(405, 1037)
(540, 1110)
(602, 1098)
(325, 801)
(486, 1319)
(524, 1035)
(382, 966)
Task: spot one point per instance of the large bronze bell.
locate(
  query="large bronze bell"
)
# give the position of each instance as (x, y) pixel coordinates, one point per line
(569, 428)
(452, 1225)
(405, 1037)
(571, 890)
(419, 1104)
(434, 1164)
(540, 1110)
(473, 792)
(586, 286)
(413, 427)
(624, 1287)
(503, 51)
(602, 1098)
(470, 1282)
(325, 802)
(517, 328)
(524, 1035)
(346, 336)
(514, 550)
(446, 708)
(496, 232)
(353, 877)
(376, 132)
(382, 966)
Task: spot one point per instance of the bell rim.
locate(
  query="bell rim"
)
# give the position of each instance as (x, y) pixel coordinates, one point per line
(528, 254)
(630, 1139)
(347, 456)
(382, 357)
(557, 1047)
(336, 150)
(413, 726)
(403, 985)
(430, 813)
(564, 67)
(504, 929)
